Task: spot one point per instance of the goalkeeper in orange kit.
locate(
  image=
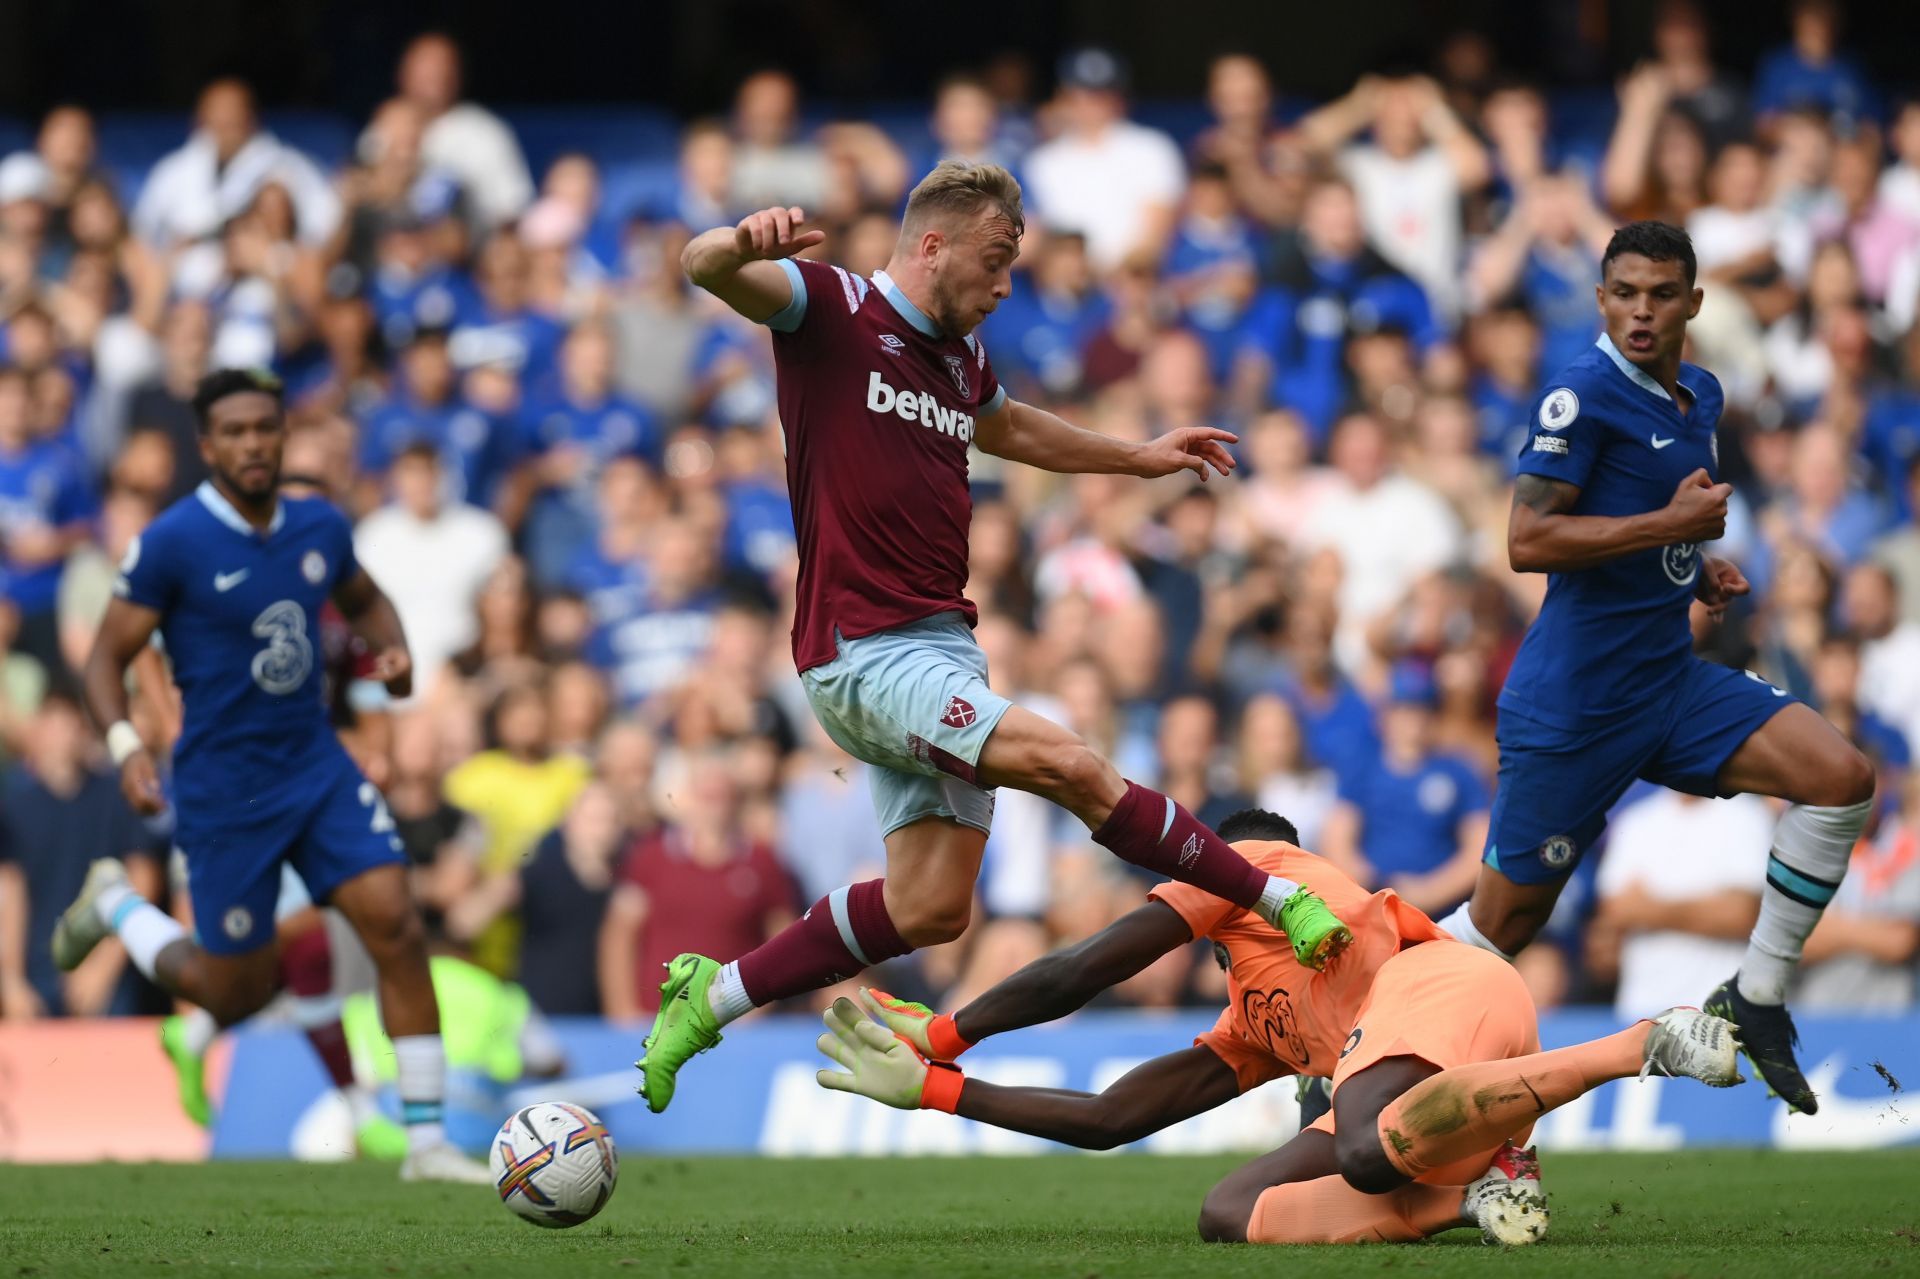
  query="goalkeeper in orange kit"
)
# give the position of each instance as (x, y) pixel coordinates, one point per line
(1431, 1045)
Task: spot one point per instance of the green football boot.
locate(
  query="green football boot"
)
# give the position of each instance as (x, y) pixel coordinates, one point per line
(685, 1026)
(189, 1068)
(1316, 933)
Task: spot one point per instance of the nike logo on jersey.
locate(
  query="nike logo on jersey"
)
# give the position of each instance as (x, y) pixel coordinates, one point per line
(224, 582)
(1659, 443)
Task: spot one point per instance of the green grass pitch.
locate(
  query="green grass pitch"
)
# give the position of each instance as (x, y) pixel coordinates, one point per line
(1695, 1214)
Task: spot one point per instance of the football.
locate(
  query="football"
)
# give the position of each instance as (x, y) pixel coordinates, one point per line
(554, 1164)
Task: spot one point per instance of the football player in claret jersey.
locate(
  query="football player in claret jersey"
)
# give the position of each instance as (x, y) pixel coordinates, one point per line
(233, 577)
(1432, 1048)
(1616, 496)
(882, 391)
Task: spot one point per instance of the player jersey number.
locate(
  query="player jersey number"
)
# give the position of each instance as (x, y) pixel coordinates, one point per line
(370, 797)
(283, 665)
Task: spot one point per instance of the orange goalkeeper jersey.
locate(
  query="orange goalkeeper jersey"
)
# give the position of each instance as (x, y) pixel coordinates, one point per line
(1283, 1018)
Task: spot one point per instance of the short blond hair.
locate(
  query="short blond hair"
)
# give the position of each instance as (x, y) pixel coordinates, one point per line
(958, 189)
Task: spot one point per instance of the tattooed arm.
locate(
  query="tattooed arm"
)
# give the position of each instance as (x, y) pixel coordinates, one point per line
(1543, 538)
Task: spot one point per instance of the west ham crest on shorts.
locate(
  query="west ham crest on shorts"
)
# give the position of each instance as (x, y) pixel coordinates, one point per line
(959, 712)
(957, 370)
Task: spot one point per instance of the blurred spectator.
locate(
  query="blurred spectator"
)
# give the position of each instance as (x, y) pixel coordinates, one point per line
(771, 163)
(1889, 648)
(396, 189)
(193, 192)
(1275, 769)
(1387, 528)
(1410, 177)
(1681, 50)
(46, 509)
(1192, 770)
(966, 126)
(650, 586)
(1040, 335)
(1418, 823)
(1864, 957)
(560, 895)
(1664, 922)
(61, 811)
(1812, 71)
(696, 884)
(1115, 182)
(1656, 161)
(463, 138)
(518, 790)
(1266, 168)
(1330, 285)
(426, 406)
(165, 404)
(431, 556)
(572, 433)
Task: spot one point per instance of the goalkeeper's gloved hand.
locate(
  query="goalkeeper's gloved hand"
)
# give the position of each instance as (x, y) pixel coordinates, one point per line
(882, 1065)
(933, 1035)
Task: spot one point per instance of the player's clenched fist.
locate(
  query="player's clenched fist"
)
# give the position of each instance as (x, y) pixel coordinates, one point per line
(140, 783)
(774, 233)
(1698, 510)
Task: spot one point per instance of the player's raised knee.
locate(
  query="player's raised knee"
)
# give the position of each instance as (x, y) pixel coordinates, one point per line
(392, 932)
(1223, 1216)
(1851, 782)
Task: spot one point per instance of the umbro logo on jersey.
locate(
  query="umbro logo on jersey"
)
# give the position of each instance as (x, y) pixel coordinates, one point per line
(1190, 851)
(1659, 443)
(917, 406)
(224, 582)
(891, 344)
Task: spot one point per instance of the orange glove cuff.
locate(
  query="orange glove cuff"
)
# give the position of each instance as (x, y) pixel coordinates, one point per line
(942, 1089)
(944, 1038)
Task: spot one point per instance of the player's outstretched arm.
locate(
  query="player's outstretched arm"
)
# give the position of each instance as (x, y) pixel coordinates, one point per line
(1057, 984)
(1542, 537)
(373, 617)
(1022, 433)
(1152, 1096)
(124, 633)
(737, 264)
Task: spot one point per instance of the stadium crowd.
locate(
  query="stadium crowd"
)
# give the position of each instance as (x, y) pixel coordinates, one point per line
(567, 471)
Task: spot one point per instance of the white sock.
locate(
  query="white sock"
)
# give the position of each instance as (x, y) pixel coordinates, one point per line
(112, 900)
(143, 928)
(201, 1031)
(422, 1066)
(1276, 892)
(727, 995)
(1811, 848)
(1460, 924)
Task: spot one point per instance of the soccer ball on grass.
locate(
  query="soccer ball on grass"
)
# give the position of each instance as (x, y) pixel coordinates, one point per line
(554, 1164)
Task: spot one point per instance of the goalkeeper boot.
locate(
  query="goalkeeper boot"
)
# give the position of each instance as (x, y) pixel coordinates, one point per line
(685, 1026)
(1508, 1202)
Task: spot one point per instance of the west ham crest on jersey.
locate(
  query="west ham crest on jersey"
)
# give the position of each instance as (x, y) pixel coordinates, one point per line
(957, 370)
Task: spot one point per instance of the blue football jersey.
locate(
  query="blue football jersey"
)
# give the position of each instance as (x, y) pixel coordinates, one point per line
(240, 617)
(1612, 638)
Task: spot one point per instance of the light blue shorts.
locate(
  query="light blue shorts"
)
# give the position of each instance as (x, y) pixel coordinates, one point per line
(913, 702)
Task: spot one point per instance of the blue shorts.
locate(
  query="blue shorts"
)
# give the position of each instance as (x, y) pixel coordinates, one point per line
(913, 702)
(330, 828)
(1556, 785)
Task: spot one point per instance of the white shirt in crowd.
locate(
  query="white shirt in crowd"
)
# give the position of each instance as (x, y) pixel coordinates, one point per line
(1677, 847)
(189, 195)
(1890, 678)
(1387, 536)
(1411, 209)
(432, 570)
(476, 147)
(1722, 235)
(1103, 187)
